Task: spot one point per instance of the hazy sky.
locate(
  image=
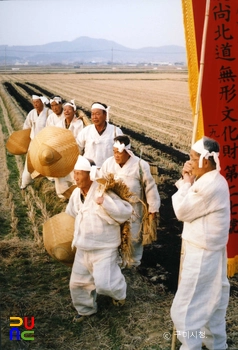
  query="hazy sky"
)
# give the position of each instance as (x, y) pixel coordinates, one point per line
(132, 23)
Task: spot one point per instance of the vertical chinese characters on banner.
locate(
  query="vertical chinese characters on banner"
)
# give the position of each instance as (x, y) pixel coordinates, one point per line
(219, 93)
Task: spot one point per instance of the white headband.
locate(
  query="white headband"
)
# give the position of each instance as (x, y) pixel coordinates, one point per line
(204, 153)
(121, 146)
(42, 98)
(84, 165)
(71, 104)
(56, 99)
(99, 106)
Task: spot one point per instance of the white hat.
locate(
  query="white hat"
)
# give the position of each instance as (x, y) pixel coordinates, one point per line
(100, 106)
(44, 99)
(56, 99)
(71, 104)
(122, 147)
(204, 153)
(84, 164)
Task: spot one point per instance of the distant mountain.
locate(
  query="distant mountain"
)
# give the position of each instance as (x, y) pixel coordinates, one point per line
(85, 49)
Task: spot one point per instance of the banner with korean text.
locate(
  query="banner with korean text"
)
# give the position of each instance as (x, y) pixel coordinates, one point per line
(218, 113)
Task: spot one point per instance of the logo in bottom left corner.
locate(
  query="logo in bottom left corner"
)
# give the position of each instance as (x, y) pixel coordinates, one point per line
(17, 332)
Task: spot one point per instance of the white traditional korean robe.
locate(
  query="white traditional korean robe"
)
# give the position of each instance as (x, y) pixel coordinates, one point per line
(97, 147)
(130, 174)
(36, 123)
(54, 119)
(202, 297)
(62, 184)
(75, 127)
(96, 237)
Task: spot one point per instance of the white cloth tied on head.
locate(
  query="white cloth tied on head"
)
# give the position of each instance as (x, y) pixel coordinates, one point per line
(44, 99)
(84, 165)
(99, 106)
(71, 103)
(204, 153)
(56, 99)
(122, 147)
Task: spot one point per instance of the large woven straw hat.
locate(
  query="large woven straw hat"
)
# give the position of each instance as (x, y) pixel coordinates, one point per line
(53, 152)
(34, 173)
(18, 142)
(58, 234)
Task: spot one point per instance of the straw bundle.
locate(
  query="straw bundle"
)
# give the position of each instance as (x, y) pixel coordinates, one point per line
(122, 190)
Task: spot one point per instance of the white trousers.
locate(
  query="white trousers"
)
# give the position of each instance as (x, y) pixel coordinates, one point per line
(26, 176)
(95, 272)
(136, 244)
(199, 307)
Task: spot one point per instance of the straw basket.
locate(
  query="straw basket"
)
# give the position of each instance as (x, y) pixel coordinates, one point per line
(18, 142)
(58, 234)
(53, 152)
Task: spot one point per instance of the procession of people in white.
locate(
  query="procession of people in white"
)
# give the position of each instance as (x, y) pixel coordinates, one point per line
(202, 202)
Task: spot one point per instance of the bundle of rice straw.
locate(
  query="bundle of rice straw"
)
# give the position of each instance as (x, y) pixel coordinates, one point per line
(148, 225)
(81, 115)
(123, 191)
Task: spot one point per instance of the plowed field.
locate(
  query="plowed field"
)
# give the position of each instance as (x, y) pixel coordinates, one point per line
(153, 110)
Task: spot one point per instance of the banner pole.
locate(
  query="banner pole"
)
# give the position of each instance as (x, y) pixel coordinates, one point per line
(196, 116)
(201, 70)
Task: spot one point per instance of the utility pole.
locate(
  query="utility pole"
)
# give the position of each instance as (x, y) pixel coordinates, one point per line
(5, 57)
(112, 56)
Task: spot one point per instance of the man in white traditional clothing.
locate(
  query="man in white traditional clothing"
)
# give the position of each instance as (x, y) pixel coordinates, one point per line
(96, 141)
(75, 125)
(135, 172)
(98, 215)
(58, 113)
(202, 202)
(36, 121)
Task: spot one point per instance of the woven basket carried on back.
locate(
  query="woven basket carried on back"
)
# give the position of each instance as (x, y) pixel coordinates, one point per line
(58, 234)
(18, 142)
(53, 152)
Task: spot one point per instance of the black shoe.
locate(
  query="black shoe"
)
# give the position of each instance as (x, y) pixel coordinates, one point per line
(78, 318)
(119, 303)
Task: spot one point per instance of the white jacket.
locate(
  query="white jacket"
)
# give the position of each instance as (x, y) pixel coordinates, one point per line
(97, 226)
(36, 122)
(75, 127)
(97, 147)
(54, 119)
(130, 174)
(204, 208)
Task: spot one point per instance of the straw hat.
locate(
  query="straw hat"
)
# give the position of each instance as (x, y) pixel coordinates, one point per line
(19, 141)
(34, 173)
(53, 152)
(58, 234)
